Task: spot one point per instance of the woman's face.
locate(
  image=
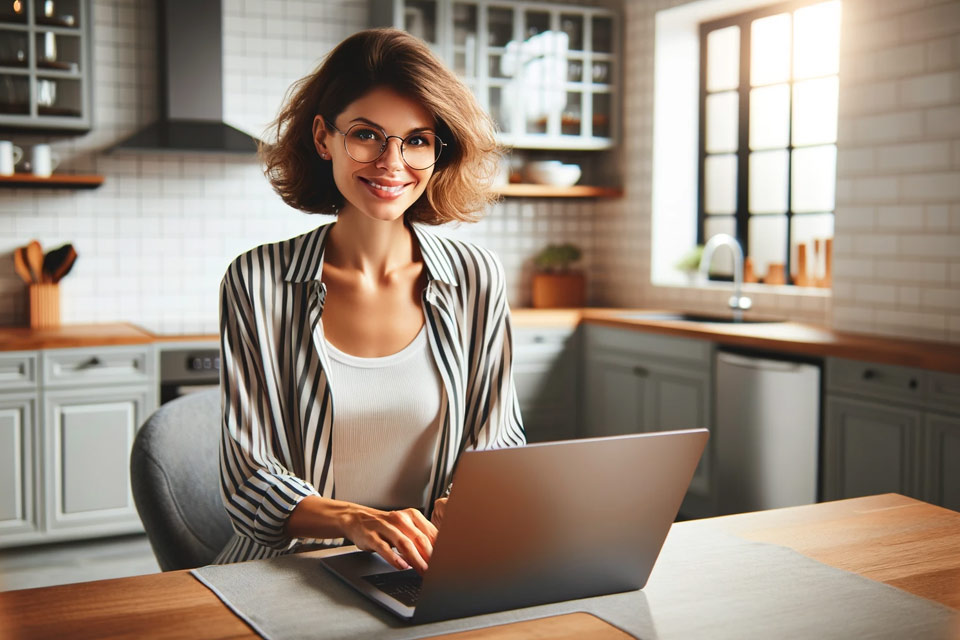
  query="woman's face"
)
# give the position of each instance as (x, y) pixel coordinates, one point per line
(385, 188)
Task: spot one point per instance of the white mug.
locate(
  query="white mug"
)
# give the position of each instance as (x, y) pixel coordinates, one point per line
(10, 155)
(43, 160)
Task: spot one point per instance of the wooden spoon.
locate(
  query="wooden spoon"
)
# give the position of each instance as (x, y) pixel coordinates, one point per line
(35, 260)
(20, 264)
(70, 256)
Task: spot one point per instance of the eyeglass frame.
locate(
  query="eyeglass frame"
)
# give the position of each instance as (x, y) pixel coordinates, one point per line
(386, 141)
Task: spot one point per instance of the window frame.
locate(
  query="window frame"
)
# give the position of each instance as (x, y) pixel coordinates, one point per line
(742, 213)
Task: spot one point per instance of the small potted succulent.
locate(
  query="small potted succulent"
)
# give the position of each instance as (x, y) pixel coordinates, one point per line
(555, 285)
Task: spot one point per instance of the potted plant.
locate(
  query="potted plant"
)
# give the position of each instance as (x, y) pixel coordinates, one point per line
(689, 264)
(555, 285)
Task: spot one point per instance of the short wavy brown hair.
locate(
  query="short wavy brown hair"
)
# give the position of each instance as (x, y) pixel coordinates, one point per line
(460, 186)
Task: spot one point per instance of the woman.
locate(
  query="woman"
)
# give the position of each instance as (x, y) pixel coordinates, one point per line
(360, 359)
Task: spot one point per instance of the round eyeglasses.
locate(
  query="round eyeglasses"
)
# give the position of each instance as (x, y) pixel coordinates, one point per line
(365, 143)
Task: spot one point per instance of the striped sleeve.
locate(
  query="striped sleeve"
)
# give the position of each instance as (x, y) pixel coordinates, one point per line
(257, 489)
(492, 417)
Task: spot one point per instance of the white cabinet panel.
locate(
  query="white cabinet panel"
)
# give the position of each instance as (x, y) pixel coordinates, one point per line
(942, 460)
(18, 371)
(88, 437)
(18, 443)
(869, 448)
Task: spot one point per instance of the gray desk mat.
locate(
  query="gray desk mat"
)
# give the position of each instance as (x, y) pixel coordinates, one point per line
(706, 584)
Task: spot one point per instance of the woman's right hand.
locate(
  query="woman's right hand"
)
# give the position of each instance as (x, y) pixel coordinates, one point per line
(403, 538)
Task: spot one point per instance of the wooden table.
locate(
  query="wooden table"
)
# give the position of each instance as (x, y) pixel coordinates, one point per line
(890, 538)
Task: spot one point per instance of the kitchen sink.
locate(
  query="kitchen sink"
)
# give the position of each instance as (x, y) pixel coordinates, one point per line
(694, 317)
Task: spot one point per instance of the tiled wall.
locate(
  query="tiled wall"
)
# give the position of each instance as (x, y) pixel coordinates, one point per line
(898, 185)
(897, 246)
(155, 239)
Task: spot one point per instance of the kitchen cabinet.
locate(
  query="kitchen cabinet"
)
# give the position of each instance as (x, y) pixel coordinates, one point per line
(545, 371)
(88, 436)
(19, 440)
(890, 428)
(68, 418)
(548, 74)
(45, 63)
(942, 458)
(638, 382)
(869, 448)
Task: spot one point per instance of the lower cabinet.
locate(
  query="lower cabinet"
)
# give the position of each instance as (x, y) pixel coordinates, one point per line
(89, 435)
(891, 429)
(545, 371)
(942, 457)
(639, 382)
(19, 441)
(68, 418)
(870, 449)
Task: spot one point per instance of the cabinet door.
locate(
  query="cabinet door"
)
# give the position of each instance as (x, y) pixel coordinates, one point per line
(545, 375)
(89, 434)
(18, 444)
(680, 399)
(869, 448)
(942, 447)
(616, 392)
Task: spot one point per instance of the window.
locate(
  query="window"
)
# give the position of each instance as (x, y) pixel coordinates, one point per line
(768, 133)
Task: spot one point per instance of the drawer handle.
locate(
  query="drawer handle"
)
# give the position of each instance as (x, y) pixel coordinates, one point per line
(869, 374)
(539, 339)
(92, 362)
(913, 383)
(640, 372)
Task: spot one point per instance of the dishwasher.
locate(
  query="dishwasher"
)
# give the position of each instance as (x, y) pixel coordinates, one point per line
(767, 431)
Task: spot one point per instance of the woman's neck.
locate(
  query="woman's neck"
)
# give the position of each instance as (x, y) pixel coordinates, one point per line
(374, 249)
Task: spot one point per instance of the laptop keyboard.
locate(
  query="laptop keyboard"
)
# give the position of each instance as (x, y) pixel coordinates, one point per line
(400, 585)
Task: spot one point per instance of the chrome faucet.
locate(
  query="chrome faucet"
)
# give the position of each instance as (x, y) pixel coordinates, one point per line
(738, 303)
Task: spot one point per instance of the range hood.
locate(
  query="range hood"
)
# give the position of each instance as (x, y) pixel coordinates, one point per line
(190, 43)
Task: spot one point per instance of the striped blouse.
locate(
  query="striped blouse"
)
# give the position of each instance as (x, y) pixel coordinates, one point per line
(278, 411)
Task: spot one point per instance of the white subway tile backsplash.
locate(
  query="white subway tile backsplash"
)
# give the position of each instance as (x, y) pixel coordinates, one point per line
(931, 187)
(942, 121)
(904, 126)
(933, 246)
(939, 20)
(913, 157)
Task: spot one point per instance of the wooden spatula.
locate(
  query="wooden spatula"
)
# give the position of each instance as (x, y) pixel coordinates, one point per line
(35, 260)
(20, 264)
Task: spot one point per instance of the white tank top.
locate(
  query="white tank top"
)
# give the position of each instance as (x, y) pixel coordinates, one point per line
(386, 425)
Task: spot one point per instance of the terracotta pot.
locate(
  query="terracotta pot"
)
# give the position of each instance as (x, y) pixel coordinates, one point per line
(559, 290)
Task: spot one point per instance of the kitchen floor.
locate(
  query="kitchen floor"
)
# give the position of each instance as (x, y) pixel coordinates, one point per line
(68, 562)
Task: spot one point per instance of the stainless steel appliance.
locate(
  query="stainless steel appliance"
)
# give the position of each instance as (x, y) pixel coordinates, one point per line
(188, 369)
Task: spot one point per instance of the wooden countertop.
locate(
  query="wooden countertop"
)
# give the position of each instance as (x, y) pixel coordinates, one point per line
(72, 335)
(889, 538)
(785, 337)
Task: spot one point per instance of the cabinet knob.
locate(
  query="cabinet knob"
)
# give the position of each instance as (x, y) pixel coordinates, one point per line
(640, 372)
(869, 374)
(913, 383)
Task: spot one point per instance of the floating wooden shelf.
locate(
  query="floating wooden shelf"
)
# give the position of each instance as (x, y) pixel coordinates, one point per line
(56, 181)
(547, 191)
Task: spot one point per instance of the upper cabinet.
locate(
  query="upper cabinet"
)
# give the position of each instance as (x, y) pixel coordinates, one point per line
(45, 65)
(547, 73)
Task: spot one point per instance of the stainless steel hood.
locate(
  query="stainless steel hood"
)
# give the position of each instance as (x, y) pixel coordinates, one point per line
(190, 42)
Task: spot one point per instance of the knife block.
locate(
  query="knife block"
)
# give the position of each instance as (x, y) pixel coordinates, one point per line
(44, 305)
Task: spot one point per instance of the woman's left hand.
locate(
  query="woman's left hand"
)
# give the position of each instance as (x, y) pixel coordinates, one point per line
(439, 505)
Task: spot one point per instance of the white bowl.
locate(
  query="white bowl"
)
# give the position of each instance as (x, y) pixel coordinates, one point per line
(553, 173)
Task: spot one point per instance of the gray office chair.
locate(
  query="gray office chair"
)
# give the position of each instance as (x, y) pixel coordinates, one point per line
(175, 475)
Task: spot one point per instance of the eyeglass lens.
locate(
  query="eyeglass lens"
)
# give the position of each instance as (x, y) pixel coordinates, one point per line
(365, 144)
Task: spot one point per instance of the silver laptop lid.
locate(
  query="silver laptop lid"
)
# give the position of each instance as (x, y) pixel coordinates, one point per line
(557, 521)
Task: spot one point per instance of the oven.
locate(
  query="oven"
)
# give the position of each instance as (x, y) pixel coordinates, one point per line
(188, 369)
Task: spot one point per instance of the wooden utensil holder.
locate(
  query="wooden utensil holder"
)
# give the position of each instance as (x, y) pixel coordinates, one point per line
(44, 305)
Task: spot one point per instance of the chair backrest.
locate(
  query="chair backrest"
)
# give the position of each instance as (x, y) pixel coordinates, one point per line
(175, 476)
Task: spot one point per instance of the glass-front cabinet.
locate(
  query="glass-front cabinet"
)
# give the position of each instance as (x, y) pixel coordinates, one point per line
(45, 64)
(547, 73)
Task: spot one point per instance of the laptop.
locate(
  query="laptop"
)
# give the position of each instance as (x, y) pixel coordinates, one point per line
(541, 523)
